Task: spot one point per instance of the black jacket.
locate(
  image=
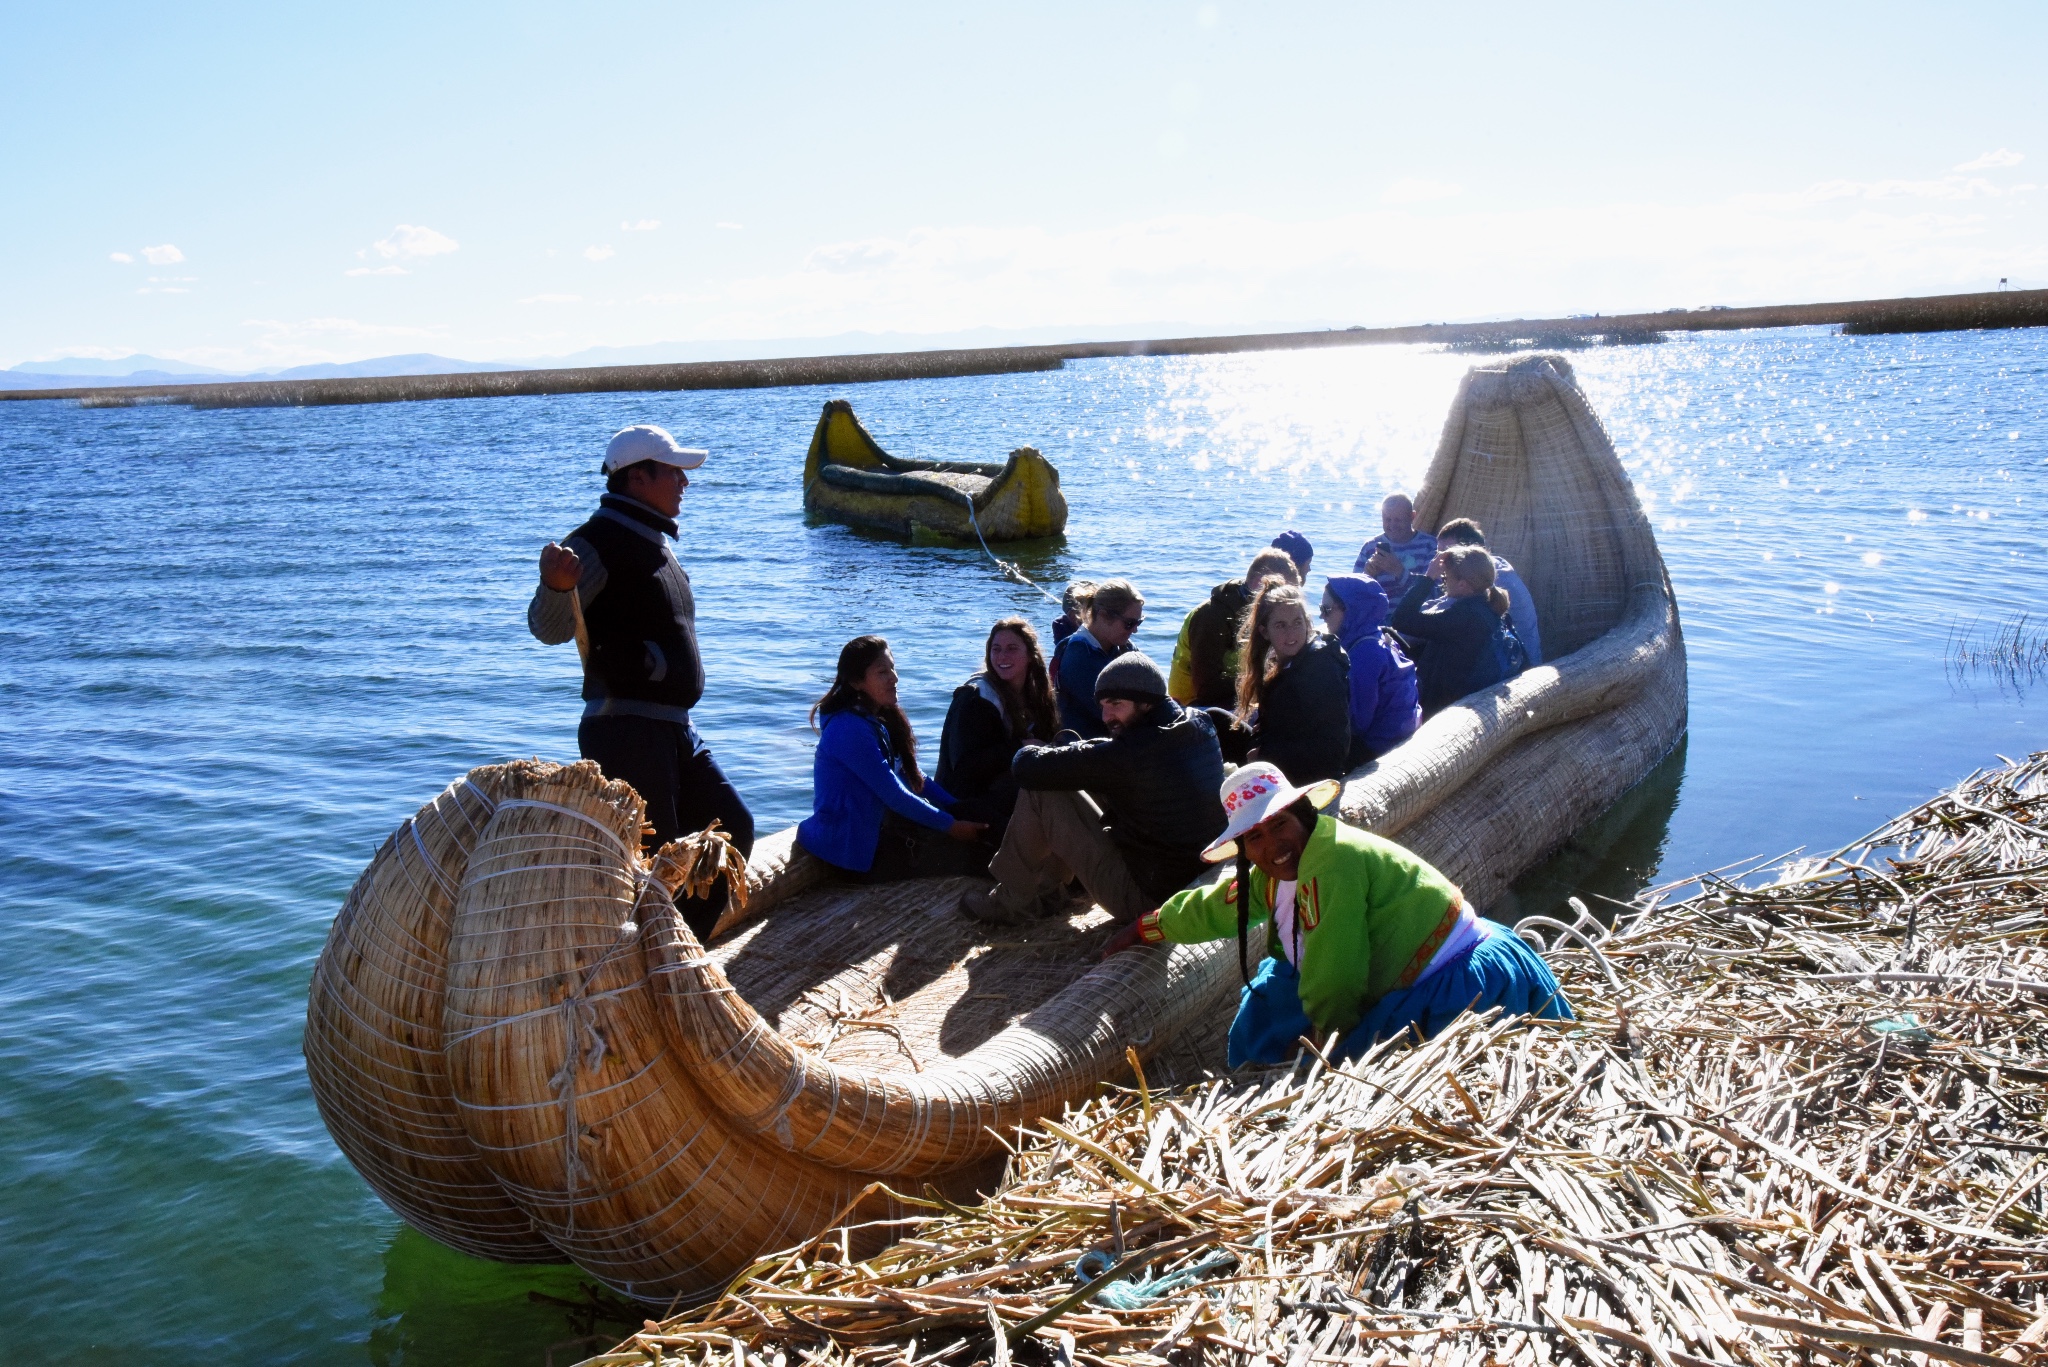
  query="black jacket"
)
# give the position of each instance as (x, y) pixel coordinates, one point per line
(975, 751)
(643, 626)
(1304, 723)
(1158, 784)
(1212, 640)
(1456, 639)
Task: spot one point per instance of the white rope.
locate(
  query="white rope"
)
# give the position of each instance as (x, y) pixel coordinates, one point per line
(611, 835)
(434, 869)
(1008, 568)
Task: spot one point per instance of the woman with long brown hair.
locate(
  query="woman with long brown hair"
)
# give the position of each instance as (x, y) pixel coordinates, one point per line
(874, 815)
(1004, 706)
(1294, 691)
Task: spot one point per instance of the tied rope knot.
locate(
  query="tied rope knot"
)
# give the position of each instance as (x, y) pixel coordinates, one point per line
(584, 1045)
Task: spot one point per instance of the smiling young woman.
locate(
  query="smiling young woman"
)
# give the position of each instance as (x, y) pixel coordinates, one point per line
(1295, 691)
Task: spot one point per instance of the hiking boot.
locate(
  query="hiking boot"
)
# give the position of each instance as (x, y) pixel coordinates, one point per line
(980, 904)
(1064, 901)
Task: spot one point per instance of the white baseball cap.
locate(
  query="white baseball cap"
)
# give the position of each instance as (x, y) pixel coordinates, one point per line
(642, 442)
(1256, 792)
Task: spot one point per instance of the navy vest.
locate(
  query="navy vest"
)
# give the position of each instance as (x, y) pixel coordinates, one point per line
(643, 626)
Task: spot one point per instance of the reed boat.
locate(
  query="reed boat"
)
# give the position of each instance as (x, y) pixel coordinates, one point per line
(849, 478)
(525, 1052)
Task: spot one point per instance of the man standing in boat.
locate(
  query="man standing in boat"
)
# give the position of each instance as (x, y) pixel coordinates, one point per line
(641, 670)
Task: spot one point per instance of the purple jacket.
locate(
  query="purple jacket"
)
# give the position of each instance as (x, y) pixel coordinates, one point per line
(1384, 709)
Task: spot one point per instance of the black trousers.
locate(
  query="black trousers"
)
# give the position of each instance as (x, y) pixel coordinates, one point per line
(671, 768)
(905, 849)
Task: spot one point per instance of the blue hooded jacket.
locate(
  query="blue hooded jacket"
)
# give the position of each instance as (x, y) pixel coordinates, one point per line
(1384, 709)
(855, 782)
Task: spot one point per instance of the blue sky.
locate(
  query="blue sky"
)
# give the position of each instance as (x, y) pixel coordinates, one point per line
(292, 184)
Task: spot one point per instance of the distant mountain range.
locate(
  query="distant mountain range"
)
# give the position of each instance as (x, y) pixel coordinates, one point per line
(77, 372)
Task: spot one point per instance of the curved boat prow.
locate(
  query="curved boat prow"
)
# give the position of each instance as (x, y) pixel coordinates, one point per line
(1489, 786)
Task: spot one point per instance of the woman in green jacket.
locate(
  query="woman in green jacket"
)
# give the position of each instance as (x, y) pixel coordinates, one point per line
(1363, 938)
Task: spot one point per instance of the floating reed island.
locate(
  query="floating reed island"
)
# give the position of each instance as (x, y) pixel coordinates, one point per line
(1995, 309)
(1798, 1122)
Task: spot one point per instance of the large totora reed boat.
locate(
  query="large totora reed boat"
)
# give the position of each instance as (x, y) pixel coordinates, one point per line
(849, 478)
(515, 1040)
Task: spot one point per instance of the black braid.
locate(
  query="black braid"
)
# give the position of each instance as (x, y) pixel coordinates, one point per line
(1244, 910)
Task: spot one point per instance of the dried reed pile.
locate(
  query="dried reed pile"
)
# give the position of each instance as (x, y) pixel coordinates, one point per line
(1797, 1122)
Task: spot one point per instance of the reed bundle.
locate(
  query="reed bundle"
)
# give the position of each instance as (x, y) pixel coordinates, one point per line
(1796, 1122)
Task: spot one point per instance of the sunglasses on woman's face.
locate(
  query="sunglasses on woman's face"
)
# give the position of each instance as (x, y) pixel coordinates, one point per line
(1132, 622)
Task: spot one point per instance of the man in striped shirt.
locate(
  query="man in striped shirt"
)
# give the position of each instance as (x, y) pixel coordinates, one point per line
(1400, 541)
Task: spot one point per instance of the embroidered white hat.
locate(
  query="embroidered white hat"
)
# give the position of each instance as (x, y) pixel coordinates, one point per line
(1256, 792)
(642, 442)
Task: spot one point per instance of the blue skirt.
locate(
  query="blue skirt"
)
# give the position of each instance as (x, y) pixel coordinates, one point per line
(1499, 970)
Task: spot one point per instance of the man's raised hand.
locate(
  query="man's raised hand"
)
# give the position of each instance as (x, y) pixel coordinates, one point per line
(559, 568)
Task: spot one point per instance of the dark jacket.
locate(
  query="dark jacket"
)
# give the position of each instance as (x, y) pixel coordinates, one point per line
(643, 627)
(1081, 658)
(855, 780)
(1304, 721)
(1212, 644)
(975, 751)
(1456, 635)
(1384, 706)
(1158, 784)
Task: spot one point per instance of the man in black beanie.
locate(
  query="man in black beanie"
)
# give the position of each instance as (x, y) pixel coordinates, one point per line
(1128, 813)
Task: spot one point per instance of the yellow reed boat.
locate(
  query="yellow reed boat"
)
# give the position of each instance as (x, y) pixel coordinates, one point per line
(849, 478)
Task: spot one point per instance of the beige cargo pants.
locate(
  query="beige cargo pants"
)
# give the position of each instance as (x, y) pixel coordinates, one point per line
(1055, 837)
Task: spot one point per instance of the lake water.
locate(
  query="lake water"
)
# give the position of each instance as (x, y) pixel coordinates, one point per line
(241, 646)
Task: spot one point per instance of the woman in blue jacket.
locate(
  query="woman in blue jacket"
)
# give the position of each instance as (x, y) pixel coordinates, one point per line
(874, 816)
(1384, 710)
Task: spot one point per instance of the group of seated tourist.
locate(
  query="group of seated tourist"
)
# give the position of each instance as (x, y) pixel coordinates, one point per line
(1097, 778)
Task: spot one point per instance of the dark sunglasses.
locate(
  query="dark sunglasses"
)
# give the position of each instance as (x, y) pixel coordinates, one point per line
(1133, 622)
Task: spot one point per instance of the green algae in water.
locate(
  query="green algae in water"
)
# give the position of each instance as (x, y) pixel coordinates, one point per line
(440, 1308)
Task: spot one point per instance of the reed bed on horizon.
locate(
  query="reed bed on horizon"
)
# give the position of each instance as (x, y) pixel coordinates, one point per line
(1797, 1122)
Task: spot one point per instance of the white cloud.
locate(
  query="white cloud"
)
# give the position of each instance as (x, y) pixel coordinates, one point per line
(377, 270)
(1409, 190)
(165, 255)
(645, 225)
(1394, 264)
(409, 240)
(1947, 187)
(276, 328)
(163, 289)
(121, 257)
(598, 253)
(553, 299)
(731, 227)
(1992, 161)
